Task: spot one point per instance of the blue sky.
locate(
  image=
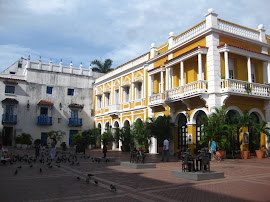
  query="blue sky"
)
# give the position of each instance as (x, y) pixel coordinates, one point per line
(84, 30)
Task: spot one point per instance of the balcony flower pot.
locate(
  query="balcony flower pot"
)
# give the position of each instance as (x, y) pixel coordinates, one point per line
(245, 154)
(260, 154)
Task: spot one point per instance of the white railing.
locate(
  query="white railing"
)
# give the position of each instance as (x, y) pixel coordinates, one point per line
(190, 33)
(186, 90)
(239, 30)
(237, 86)
(113, 108)
(156, 98)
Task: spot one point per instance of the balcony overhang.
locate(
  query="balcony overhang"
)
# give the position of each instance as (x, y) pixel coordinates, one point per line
(191, 53)
(45, 103)
(156, 70)
(10, 101)
(242, 51)
(75, 106)
(10, 82)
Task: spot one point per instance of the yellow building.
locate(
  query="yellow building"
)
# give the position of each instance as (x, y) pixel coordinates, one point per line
(205, 67)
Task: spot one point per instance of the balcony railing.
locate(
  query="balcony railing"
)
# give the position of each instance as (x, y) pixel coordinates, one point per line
(113, 108)
(187, 90)
(244, 87)
(74, 122)
(9, 119)
(44, 120)
(156, 99)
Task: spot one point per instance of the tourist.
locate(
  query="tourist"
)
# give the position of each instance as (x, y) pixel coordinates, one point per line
(53, 148)
(166, 150)
(213, 149)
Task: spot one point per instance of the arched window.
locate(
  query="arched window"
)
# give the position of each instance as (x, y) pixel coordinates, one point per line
(182, 133)
(199, 127)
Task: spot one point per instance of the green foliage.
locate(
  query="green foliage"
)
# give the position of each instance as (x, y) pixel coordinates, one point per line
(57, 135)
(107, 137)
(160, 128)
(85, 138)
(37, 141)
(259, 128)
(102, 67)
(125, 136)
(140, 133)
(24, 138)
(248, 88)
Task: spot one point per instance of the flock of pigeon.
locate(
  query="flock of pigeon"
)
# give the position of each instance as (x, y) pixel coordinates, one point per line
(44, 159)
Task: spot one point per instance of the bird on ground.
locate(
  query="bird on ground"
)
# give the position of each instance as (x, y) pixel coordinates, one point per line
(78, 178)
(50, 166)
(58, 166)
(16, 172)
(87, 180)
(113, 188)
(11, 163)
(48, 163)
(19, 167)
(77, 163)
(90, 175)
(96, 182)
(31, 166)
(40, 170)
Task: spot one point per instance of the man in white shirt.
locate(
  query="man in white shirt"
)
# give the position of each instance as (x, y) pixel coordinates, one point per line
(166, 150)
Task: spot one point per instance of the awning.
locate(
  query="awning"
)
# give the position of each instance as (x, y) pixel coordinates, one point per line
(10, 101)
(75, 106)
(45, 103)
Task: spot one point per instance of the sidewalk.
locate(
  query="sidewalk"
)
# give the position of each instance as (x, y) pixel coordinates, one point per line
(245, 180)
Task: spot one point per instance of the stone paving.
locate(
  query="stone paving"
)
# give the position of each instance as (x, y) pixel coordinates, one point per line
(245, 180)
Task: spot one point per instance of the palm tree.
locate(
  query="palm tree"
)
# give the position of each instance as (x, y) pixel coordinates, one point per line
(261, 127)
(102, 67)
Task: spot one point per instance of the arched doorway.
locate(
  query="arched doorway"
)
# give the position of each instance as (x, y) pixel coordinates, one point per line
(182, 133)
(254, 139)
(233, 139)
(199, 129)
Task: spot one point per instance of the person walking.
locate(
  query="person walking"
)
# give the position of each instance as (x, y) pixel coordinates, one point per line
(166, 150)
(213, 149)
(53, 148)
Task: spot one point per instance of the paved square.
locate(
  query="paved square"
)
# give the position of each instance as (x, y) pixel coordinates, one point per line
(245, 180)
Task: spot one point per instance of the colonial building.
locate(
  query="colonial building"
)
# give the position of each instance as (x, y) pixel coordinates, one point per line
(37, 98)
(215, 63)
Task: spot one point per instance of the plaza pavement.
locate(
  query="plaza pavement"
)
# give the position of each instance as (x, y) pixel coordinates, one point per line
(245, 180)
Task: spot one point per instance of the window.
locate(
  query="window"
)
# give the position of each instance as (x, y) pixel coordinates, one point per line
(12, 72)
(10, 89)
(116, 94)
(107, 99)
(99, 101)
(231, 68)
(74, 113)
(231, 76)
(70, 91)
(126, 90)
(43, 111)
(253, 77)
(138, 87)
(49, 90)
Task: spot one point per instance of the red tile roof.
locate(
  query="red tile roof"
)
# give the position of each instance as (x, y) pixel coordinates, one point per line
(75, 106)
(45, 103)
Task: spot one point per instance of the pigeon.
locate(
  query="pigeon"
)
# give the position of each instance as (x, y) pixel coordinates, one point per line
(78, 178)
(50, 166)
(40, 170)
(58, 166)
(19, 167)
(87, 181)
(16, 172)
(90, 175)
(113, 188)
(96, 182)
(77, 163)
(31, 166)
(11, 163)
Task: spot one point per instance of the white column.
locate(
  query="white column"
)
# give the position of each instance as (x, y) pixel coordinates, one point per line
(211, 19)
(262, 33)
(149, 85)
(171, 78)
(61, 66)
(112, 94)
(144, 82)
(81, 69)
(132, 86)
(167, 79)
(249, 69)
(199, 66)
(170, 41)
(152, 50)
(162, 82)
(120, 91)
(182, 73)
(226, 58)
(268, 72)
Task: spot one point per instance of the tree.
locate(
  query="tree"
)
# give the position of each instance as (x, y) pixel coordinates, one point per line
(102, 67)
(107, 137)
(259, 128)
(125, 136)
(57, 135)
(160, 128)
(140, 133)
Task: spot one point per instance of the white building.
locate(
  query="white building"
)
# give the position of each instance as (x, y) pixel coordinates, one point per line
(37, 98)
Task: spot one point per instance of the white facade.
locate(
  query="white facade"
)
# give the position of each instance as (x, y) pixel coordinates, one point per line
(41, 90)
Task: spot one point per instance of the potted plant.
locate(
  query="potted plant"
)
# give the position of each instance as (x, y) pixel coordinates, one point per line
(160, 128)
(25, 140)
(125, 136)
(259, 128)
(106, 138)
(245, 120)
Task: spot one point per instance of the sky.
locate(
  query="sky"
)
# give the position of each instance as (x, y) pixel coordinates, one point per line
(84, 30)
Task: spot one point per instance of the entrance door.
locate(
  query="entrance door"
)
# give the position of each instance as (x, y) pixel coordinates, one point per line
(7, 136)
(71, 133)
(9, 113)
(43, 138)
(182, 133)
